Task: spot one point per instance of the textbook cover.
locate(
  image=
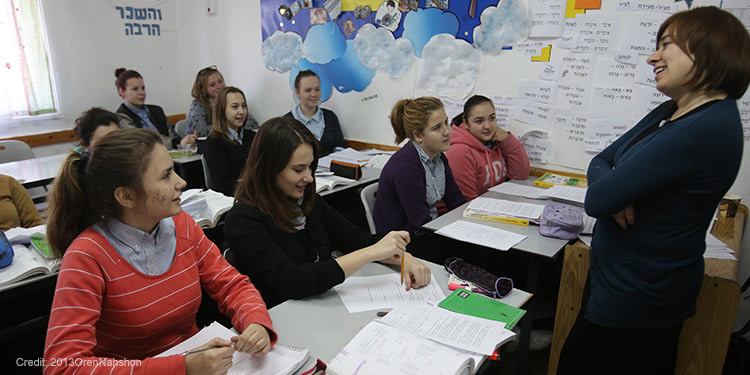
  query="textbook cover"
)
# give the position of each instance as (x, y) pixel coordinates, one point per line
(549, 180)
(465, 302)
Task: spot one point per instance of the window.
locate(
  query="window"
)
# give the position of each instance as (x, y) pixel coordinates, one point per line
(25, 76)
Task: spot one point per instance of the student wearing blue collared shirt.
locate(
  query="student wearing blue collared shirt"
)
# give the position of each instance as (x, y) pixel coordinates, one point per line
(322, 123)
(131, 88)
(228, 144)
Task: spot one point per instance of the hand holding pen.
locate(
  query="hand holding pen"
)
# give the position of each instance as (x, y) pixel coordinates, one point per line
(215, 357)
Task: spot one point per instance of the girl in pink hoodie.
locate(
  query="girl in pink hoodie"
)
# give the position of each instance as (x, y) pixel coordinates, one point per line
(482, 154)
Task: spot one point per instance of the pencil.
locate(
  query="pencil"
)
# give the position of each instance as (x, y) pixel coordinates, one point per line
(402, 269)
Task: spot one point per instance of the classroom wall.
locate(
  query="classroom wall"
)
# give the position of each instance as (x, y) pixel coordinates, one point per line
(88, 41)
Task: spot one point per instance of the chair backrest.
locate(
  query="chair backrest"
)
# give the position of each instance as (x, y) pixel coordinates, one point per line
(206, 173)
(12, 150)
(368, 201)
(180, 127)
(229, 256)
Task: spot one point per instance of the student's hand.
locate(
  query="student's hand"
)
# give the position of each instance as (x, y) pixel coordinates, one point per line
(391, 247)
(213, 362)
(416, 274)
(626, 217)
(500, 135)
(189, 139)
(253, 340)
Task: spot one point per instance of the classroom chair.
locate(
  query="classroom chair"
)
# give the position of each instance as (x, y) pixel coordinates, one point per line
(180, 127)
(704, 337)
(206, 173)
(368, 201)
(12, 150)
(229, 256)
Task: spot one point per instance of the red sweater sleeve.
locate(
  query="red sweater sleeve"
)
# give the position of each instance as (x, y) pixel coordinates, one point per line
(76, 308)
(236, 296)
(464, 169)
(516, 159)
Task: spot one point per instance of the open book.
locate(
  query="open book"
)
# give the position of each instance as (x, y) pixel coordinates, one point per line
(280, 360)
(206, 207)
(421, 340)
(329, 182)
(27, 262)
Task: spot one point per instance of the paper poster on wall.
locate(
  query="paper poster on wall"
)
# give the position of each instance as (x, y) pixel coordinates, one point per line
(537, 145)
(642, 28)
(568, 132)
(600, 133)
(547, 18)
(596, 33)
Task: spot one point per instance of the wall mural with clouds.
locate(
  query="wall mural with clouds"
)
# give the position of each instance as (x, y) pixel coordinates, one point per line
(347, 42)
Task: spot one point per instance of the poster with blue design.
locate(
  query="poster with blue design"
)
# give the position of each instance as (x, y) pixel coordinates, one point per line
(348, 42)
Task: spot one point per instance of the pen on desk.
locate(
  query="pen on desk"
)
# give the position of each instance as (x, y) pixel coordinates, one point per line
(402, 269)
(196, 351)
(381, 314)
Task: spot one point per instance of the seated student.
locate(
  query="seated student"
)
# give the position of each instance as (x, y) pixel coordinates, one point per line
(16, 207)
(93, 125)
(207, 84)
(229, 142)
(482, 154)
(131, 88)
(133, 267)
(322, 123)
(417, 176)
(283, 235)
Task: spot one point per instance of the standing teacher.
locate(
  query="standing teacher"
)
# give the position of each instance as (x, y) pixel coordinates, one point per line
(654, 192)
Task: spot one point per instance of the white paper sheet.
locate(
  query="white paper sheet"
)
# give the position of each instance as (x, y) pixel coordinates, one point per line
(567, 193)
(504, 207)
(365, 293)
(511, 188)
(459, 331)
(479, 234)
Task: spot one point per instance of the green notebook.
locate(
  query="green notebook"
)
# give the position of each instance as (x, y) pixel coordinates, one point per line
(39, 242)
(465, 302)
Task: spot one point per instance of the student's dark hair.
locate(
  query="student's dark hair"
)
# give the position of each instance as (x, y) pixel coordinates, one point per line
(719, 44)
(468, 106)
(270, 152)
(123, 75)
(199, 92)
(409, 115)
(90, 120)
(84, 190)
(220, 123)
(303, 74)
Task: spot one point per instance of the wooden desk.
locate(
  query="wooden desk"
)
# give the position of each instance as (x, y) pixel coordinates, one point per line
(704, 337)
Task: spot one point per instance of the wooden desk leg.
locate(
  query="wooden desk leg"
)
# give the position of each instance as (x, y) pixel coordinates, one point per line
(532, 283)
(704, 338)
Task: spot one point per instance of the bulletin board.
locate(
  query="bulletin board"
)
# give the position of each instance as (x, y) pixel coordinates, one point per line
(590, 82)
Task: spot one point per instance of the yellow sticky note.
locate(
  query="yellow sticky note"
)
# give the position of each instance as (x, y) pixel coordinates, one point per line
(571, 11)
(546, 51)
(350, 5)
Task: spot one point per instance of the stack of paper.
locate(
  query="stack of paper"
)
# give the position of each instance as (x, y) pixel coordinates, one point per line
(422, 339)
(506, 208)
(348, 155)
(510, 188)
(716, 249)
(482, 235)
(566, 193)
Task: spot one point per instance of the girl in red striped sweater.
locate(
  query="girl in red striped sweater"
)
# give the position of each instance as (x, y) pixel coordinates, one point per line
(133, 268)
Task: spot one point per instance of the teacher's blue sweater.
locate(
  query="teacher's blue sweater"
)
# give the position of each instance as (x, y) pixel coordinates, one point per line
(650, 274)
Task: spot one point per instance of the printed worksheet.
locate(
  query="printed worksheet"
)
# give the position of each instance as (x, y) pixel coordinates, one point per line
(364, 293)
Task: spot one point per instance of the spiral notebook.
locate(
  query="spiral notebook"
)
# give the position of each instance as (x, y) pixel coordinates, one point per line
(281, 359)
